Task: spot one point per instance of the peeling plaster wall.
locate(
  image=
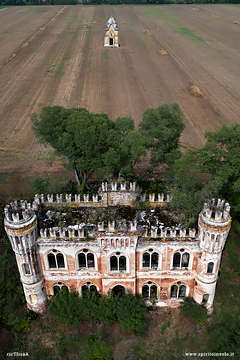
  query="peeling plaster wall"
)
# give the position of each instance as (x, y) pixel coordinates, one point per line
(39, 280)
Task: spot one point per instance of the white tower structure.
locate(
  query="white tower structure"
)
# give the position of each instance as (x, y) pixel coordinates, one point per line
(21, 227)
(213, 227)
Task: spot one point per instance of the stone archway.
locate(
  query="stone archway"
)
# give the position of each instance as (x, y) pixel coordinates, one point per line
(118, 290)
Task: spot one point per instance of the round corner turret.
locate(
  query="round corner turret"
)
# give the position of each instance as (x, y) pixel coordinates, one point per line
(214, 224)
(21, 227)
(213, 227)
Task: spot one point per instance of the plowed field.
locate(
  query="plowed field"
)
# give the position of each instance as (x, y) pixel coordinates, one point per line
(54, 55)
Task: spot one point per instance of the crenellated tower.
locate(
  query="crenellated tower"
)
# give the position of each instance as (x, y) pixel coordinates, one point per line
(213, 227)
(21, 227)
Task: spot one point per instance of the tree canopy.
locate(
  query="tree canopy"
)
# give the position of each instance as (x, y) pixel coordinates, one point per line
(94, 143)
(162, 128)
(210, 171)
(90, 142)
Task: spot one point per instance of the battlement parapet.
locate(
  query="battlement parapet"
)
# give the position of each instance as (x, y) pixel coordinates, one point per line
(114, 186)
(173, 232)
(19, 213)
(219, 212)
(154, 201)
(81, 231)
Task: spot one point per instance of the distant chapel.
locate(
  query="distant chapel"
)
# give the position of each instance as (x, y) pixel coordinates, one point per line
(111, 36)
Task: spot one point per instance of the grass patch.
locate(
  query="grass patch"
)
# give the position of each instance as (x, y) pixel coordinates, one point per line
(189, 33)
(4, 32)
(159, 13)
(59, 71)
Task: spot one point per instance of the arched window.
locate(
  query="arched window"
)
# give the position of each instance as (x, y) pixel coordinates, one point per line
(149, 290)
(88, 286)
(55, 260)
(210, 268)
(86, 259)
(205, 298)
(118, 262)
(26, 269)
(33, 299)
(178, 290)
(118, 290)
(59, 286)
(181, 259)
(150, 259)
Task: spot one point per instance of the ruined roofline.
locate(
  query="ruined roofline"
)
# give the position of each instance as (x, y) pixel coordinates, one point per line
(82, 231)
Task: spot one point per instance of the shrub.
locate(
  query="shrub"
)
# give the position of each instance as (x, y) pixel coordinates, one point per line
(139, 349)
(142, 328)
(66, 307)
(72, 309)
(197, 312)
(96, 349)
(130, 311)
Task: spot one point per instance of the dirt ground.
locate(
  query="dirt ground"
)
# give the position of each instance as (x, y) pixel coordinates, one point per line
(163, 327)
(54, 55)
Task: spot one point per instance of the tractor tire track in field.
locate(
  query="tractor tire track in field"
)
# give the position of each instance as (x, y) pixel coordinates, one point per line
(33, 37)
(66, 64)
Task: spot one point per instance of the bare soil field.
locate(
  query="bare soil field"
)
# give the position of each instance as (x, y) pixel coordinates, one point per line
(54, 55)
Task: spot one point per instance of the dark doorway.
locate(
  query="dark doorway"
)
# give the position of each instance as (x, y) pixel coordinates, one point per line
(118, 290)
(110, 41)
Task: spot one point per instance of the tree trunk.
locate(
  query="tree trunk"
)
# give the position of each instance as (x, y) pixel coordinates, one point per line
(76, 176)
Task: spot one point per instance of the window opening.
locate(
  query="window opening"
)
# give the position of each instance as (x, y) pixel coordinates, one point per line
(118, 290)
(178, 290)
(210, 268)
(26, 269)
(55, 260)
(150, 259)
(86, 259)
(33, 299)
(149, 290)
(59, 287)
(181, 260)
(118, 262)
(88, 286)
(205, 298)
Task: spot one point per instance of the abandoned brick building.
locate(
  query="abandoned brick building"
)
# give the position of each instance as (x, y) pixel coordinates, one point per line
(111, 36)
(164, 264)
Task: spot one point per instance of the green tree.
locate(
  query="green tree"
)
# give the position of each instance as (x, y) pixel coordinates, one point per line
(197, 312)
(162, 128)
(210, 171)
(126, 146)
(81, 137)
(90, 142)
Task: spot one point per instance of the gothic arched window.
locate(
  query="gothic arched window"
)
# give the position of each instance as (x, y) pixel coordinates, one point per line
(150, 259)
(86, 259)
(88, 286)
(210, 268)
(26, 269)
(56, 260)
(178, 290)
(149, 290)
(59, 286)
(118, 262)
(181, 259)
